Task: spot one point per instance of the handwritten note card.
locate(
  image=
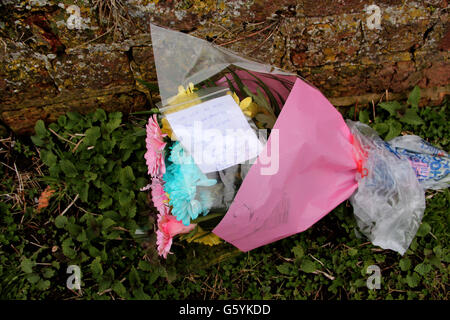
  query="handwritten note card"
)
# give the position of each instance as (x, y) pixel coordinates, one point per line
(216, 134)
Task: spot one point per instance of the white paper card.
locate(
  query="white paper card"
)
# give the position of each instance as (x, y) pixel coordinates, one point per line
(215, 133)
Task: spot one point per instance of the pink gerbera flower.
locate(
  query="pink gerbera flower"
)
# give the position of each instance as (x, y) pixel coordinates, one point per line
(159, 197)
(168, 227)
(155, 148)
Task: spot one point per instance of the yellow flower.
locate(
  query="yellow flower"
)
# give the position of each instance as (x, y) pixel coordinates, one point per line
(185, 98)
(167, 129)
(204, 237)
(248, 107)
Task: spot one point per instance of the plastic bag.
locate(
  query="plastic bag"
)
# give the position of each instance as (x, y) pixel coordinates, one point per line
(389, 202)
(431, 165)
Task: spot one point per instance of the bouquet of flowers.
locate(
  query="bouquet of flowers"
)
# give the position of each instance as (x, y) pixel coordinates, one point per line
(247, 153)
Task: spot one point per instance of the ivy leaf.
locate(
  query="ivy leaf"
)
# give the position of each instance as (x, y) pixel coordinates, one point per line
(411, 117)
(391, 106)
(414, 97)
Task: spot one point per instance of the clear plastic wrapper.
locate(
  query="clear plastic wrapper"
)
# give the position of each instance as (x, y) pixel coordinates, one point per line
(389, 202)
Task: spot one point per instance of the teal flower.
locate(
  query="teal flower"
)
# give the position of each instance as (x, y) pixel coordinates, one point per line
(182, 178)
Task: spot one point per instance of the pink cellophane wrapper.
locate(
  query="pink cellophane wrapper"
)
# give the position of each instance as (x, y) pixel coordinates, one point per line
(316, 173)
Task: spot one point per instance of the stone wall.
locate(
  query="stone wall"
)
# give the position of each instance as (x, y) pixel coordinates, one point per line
(67, 55)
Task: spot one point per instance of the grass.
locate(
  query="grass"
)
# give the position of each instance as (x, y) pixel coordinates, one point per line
(93, 225)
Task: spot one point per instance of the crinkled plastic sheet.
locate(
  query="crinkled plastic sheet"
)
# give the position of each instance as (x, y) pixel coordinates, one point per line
(181, 59)
(389, 202)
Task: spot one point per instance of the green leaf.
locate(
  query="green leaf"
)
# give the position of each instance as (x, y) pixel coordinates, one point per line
(48, 273)
(413, 280)
(144, 265)
(391, 106)
(126, 176)
(43, 285)
(395, 128)
(411, 117)
(414, 97)
(119, 288)
(96, 267)
(284, 268)
(364, 116)
(40, 129)
(352, 252)
(308, 266)
(27, 265)
(38, 141)
(424, 229)
(60, 222)
(48, 158)
(33, 278)
(125, 198)
(140, 294)
(405, 264)
(298, 252)
(423, 268)
(134, 278)
(381, 128)
(107, 222)
(92, 135)
(99, 115)
(68, 168)
(62, 121)
(105, 203)
(265, 120)
(115, 119)
(83, 191)
(67, 249)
